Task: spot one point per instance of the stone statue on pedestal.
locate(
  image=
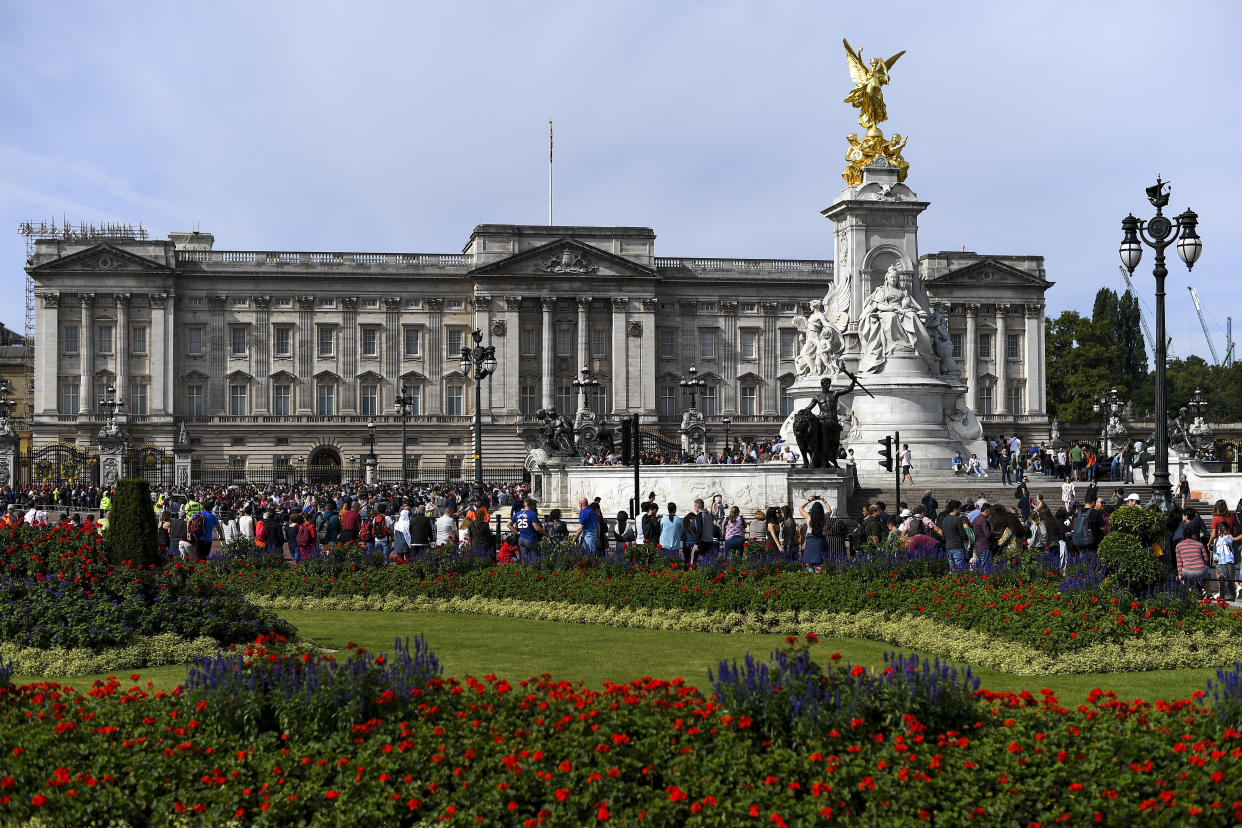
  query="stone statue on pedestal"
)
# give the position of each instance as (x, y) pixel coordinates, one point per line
(890, 323)
(819, 438)
(556, 434)
(822, 346)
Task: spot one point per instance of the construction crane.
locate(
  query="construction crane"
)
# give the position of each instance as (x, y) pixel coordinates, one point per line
(1168, 350)
(1203, 321)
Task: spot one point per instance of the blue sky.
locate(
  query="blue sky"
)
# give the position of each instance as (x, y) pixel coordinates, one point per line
(368, 126)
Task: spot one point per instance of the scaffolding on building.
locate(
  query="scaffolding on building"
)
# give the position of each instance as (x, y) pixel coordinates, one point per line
(67, 232)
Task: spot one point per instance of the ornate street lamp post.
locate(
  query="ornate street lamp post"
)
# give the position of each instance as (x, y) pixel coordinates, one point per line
(693, 384)
(110, 406)
(405, 406)
(482, 360)
(1158, 233)
(584, 382)
(727, 423)
(1110, 406)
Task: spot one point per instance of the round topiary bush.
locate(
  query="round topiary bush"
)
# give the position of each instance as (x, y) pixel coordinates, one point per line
(1130, 561)
(132, 534)
(1145, 524)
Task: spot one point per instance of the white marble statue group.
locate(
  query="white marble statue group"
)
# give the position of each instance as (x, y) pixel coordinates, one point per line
(890, 322)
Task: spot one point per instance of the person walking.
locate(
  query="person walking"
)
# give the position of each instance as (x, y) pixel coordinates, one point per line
(588, 527)
(528, 528)
(671, 531)
(734, 530)
(1192, 561)
(955, 531)
(814, 538)
(907, 463)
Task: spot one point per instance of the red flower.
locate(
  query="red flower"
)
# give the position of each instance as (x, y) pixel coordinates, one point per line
(812, 638)
(561, 794)
(858, 671)
(332, 794)
(602, 814)
(38, 799)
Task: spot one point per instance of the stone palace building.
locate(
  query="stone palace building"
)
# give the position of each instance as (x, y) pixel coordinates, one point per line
(270, 359)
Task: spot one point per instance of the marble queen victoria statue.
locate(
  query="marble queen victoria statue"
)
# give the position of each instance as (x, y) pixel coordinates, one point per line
(892, 323)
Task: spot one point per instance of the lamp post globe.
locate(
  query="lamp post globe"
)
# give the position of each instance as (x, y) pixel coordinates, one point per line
(1159, 232)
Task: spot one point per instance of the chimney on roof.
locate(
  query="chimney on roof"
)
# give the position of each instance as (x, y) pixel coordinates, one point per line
(192, 241)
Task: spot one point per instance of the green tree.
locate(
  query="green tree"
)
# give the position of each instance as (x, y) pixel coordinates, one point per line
(131, 534)
(1082, 358)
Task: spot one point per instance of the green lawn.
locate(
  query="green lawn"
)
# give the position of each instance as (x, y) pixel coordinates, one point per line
(518, 648)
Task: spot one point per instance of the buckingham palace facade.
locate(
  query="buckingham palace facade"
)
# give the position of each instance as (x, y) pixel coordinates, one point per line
(271, 358)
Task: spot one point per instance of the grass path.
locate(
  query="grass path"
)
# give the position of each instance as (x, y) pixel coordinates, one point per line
(519, 648)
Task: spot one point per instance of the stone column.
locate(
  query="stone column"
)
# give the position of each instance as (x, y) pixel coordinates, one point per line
(262, 363)
(688, 311)
(768, 360)
(970, 371)
(393, 347)
(648, 348)
(998, 355)
(47, 354)
(1041, 356)
(549, 393)
(304, 382)
(434, 358)
(158, 354)
(728, 359)
(170, 354)
(122, 349)
(86, 343)
(111, 456)
(348, 359)
(509, 346)
(617, 362)
(1033, 379)
(216, 356)
(584, 334)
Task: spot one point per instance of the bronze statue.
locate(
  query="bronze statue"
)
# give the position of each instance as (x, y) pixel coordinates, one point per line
(867, 94)
(556, 434)
(826, 444)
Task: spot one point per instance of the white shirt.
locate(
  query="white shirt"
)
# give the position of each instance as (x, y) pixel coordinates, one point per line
(446, 529)
(906, 458)
(1067, 492)
(245, 525)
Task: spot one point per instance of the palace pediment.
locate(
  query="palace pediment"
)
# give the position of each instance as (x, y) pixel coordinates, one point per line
(566, 258)
(103, 258)
(988, 273)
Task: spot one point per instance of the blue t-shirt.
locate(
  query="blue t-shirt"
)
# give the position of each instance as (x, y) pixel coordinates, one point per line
(525, 521)
(588, 520)
(670, 532)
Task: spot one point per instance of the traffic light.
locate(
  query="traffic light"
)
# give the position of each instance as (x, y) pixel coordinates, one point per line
(627, 441)
(886, 453)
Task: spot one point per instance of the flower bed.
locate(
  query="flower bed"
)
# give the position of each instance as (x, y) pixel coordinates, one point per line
(64, 606)
(1021, 612)
(790, 741)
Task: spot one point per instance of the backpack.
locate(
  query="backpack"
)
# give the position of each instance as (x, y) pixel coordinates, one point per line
(305, 535)
(364, 532)
(380, 527)
(1082, 536)
(198, 526)
(916, 527)
(1223, 550)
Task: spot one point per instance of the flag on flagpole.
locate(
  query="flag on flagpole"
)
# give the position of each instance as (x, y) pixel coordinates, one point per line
(549, 140)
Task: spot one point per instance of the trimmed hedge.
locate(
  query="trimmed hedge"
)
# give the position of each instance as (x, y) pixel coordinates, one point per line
(132, 533)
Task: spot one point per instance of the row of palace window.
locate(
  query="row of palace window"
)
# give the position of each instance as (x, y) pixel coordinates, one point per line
(1013, 346)
(369, 342)
(528, 399)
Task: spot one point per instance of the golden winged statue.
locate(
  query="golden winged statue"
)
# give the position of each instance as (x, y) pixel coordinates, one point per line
(867, 94)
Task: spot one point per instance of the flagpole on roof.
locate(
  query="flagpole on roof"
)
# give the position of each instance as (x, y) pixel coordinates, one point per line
(549, 172)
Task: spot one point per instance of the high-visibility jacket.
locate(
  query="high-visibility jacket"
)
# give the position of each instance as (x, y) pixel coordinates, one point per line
(192, 508)
(105, 502)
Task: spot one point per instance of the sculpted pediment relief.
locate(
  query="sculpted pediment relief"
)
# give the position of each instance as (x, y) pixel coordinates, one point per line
(989, 272)
(102, 258)
(565, 257)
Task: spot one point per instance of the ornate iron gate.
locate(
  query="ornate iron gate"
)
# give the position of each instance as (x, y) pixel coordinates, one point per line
(60, 463)
(151, 462)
